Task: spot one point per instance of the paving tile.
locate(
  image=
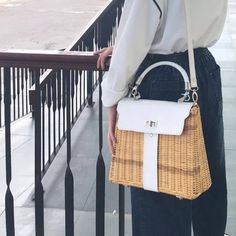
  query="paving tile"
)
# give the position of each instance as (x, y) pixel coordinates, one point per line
(1, 210)
(230, 140)
(23, 126)
(224, 54)
(231, 180)
(16, 142)
(87, 219)
(17, 188)
(229, 94)
(22, 171)
(84, 174)
(231, 226)
(228, 77)
(225, 40)
(54, 223)
(25, 195)
(229, 114)
(24, 222)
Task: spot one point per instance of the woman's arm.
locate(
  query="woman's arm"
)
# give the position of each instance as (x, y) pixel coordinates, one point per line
(139, 24)
(104, 54)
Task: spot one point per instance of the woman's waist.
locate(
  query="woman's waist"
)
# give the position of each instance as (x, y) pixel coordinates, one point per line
(200, 52)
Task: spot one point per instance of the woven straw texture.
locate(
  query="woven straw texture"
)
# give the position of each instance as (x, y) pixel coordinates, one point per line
(183, 169)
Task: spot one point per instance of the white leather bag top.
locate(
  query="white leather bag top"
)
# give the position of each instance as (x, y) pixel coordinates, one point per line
(166, 117)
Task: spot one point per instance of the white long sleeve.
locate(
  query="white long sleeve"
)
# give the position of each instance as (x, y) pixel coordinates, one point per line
(157, 29)
(138, 26)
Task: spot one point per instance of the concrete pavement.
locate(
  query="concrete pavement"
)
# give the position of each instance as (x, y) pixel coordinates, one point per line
(54, 24)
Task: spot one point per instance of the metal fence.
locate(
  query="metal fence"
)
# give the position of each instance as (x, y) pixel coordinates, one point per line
(21, 80)
(64, 83)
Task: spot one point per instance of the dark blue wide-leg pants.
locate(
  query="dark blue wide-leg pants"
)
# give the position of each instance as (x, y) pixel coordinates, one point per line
(158, 214)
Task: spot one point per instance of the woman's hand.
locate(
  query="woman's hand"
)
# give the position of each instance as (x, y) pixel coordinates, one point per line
(103, 53)
(112, 113)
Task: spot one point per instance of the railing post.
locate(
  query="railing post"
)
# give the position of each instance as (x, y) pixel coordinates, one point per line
(90, 76)
(121, 210)
(39, 205)
(1, 95)
(9, 201)
(69, 182)
(100, 174)
(32, 93)
(90, 88)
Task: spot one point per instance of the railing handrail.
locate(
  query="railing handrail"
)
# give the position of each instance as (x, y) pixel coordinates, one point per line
(49, 59)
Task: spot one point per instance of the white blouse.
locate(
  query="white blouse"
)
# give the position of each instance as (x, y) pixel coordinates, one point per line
(159, 27)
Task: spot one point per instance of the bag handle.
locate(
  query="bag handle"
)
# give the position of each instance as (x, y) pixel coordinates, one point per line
(134, 92)
(189, 84)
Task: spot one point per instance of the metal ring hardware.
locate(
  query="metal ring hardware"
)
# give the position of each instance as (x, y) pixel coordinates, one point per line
(195, 96)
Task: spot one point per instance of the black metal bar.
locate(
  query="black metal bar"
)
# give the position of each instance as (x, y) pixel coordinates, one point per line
(39, 205)
(1, 94)
(72, 75)
(27, 89)
(89, 43)
(90, 88)
(18, 90)
(54, 107)
(22, 91)
(14, 91)
(121, 210)
(32, 99)
(49, 103)
(100, 175)
(64, 103)
(43, 100)
(84, 86)
(9, 201)
(80, 90)
(69, 182)
(59, 104)
(76, 91)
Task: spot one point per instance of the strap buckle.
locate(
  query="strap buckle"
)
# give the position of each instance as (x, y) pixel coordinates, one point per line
(134, 92)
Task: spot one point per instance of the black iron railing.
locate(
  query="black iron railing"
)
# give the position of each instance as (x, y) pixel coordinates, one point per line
(101, 32)
(21, 79)
(58, 98)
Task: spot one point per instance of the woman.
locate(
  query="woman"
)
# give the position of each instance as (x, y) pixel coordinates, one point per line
(152, 31)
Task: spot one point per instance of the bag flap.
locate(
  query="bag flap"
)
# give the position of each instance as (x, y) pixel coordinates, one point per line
(152, 116)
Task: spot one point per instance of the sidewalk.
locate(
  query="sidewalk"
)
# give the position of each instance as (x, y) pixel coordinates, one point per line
(43, 24)
(85, 151)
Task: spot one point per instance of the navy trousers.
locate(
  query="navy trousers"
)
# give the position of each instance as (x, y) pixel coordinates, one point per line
(158, 214)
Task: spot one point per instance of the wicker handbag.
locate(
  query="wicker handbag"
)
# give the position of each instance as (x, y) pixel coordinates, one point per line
(160, 145)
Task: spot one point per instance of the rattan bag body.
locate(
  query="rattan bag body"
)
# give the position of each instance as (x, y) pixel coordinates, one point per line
(182, 162)
(160, 145)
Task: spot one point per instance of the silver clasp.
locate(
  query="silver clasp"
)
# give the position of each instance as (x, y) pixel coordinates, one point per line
(151, 124)
(195, 96)
(134, 92)
(185, 98)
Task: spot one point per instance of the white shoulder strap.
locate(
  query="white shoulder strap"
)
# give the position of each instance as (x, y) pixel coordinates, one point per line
(193, 77)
